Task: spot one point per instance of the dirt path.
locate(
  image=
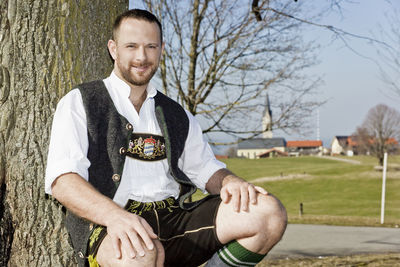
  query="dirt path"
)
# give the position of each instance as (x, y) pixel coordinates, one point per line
(280, 178)
(351, 161)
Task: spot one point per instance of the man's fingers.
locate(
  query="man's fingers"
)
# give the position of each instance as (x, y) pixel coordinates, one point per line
(224, 195)
(148, 229)
(244, 197)
(115, 244)
(131, 235)
(127, 242)
(146, 234)
(135, 242)
(261, 190)
(253, 195)
(236, 200)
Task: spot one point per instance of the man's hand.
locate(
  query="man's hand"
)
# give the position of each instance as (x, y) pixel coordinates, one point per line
(129, 232)
(240, 192)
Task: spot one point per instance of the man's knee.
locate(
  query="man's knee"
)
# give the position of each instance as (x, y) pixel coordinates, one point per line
(149, 260)
(272, 217)
(106, 256)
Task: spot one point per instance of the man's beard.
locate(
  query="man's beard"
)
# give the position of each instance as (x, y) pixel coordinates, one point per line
(138, 81)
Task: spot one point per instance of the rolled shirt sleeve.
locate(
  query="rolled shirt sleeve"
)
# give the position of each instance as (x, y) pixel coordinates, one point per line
(197, 160)
(69, 141)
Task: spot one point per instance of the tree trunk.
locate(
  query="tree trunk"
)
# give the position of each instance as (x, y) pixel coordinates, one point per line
(46, 47)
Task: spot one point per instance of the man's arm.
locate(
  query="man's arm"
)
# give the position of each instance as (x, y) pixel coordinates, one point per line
(124, 228)
(233, 188)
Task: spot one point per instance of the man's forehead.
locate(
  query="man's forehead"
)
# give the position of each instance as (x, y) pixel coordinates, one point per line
(137, 21)
(141, 27)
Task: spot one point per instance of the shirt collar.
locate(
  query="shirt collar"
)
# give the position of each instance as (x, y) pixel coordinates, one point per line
(123, 89)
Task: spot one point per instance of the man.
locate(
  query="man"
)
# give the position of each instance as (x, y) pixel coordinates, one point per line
(123, 159)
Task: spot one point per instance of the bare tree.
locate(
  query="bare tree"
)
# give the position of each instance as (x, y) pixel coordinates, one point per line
(231, 152)
(382, 125)
(220, 61)
(46, 47)
(363, 141)
(390, 54)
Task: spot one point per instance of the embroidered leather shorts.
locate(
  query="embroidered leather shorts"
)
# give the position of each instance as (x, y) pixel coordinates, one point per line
(189, 237)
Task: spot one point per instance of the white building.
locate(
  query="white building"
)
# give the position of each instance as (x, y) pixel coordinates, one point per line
(254, 148)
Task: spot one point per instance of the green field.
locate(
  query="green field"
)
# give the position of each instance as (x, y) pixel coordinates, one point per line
(332, 192)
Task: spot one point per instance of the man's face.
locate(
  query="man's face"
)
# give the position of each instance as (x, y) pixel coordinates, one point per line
(136, 50)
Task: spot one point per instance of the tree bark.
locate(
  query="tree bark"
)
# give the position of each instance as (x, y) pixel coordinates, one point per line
(46, 47)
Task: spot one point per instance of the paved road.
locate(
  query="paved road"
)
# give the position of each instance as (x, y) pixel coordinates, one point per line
(320, 240)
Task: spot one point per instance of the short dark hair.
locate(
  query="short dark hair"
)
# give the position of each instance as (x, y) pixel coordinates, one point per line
(139, 14)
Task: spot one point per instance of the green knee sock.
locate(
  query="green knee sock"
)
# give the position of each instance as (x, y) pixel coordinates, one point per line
(234, 254)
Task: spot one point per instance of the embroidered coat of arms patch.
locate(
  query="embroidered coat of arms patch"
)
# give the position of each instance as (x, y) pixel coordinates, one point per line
(146, 147)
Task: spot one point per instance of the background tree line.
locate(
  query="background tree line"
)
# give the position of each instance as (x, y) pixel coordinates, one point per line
(379, 133)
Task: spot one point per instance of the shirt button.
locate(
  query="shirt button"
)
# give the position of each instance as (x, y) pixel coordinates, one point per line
(116, 178)
(122, 150)
(91, 227)
(129, 127)
(80, 254)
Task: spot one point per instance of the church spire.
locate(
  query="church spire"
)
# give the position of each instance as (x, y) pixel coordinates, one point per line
(267, 120)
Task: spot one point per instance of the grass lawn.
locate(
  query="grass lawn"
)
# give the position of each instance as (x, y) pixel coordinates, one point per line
(332, 192)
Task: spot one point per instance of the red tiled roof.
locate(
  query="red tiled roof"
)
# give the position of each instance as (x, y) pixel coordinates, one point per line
(352, 141)
(305, 143)
(392, 141)
(273, 150)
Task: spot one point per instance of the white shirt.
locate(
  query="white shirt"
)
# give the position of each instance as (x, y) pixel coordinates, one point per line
(141, 180)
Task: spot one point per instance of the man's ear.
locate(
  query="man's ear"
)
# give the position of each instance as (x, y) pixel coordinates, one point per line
(112, 48)
(162, 48)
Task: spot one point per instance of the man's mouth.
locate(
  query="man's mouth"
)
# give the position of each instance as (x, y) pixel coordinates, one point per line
(141, 68)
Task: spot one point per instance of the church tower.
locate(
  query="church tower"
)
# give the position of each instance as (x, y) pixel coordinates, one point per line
(267, 120)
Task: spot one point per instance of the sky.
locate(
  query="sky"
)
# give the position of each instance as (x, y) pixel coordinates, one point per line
(352, 84)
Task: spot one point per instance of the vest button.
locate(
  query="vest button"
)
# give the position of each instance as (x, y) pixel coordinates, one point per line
(80, 254)
(122, 150)
(91, 227)
(116, 178)
(129, 127)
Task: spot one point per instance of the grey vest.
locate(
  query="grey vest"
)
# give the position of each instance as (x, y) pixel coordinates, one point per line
(109, 134)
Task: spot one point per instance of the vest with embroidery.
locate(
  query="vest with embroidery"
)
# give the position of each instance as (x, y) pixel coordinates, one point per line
(109, 134)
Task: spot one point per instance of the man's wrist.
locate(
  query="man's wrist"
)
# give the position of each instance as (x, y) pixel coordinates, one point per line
(112, 213)
(223, 175)
(215, 182)
(230, 178)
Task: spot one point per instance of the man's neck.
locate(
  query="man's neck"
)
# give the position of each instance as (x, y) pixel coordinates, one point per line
(138, 93)
(138, 96)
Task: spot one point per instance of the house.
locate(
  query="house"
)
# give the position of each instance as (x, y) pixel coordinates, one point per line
(352, 145)
(254, 148)
(273, 152)
(340, 145)
(305, 147)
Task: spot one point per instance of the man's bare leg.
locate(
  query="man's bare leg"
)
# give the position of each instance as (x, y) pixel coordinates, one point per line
(152, 258)
(256, 230)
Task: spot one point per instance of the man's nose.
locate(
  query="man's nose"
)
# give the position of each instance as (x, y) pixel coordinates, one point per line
(141, 54)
